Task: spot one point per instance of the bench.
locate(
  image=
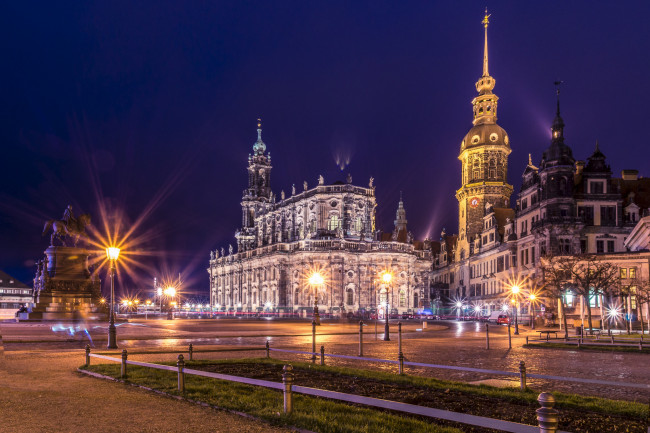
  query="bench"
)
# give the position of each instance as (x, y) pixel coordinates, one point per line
(548, 333)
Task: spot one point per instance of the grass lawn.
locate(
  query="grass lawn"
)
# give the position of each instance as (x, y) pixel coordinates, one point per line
(578, 413)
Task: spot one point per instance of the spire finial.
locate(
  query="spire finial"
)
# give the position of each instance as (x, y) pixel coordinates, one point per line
(400, 196)
(557, 92)
(259, 128)
(597, 149)
(259, 147)
(486, 21)
(530, 159)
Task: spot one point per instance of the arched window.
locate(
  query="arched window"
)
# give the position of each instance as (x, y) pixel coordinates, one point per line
(416, 300)
(383, 295)
(349, 296)
(334, 222)
(297, 297)
(357, 225)
(402, 298)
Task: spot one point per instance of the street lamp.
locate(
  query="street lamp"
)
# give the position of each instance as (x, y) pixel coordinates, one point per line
(316, 280)
(531, 302)
(159, 292)
(170, 292)
(112, 253)
(387, 277)
(515, 294)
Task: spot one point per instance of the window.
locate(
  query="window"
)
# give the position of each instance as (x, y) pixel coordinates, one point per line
(594, 300)
(349, 297)
(583, 245)
(610, 246)
(600, 246)
(532, 254)
(565, 246)
(333, 223)
(587, 214)
(568, 299)
(500, 262)
(623, 273)
(632, 273)
(608, 216)
(416, 300)
(402, 298)
(596, 187)
(524, 204)
(297, 297)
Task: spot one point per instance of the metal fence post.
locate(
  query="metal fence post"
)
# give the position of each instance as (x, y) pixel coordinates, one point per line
(322, 355)
(522, 375)
(123, 369)
(287, 380)
(181, 373)
(400, 354)
(487, 336)
(268, 349)
(509, 337)
(313, 341)
(526, 340)
(547, 417)
(191, 352)
(87, 355)
(360, 337)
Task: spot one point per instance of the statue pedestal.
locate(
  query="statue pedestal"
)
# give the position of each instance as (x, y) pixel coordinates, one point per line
(69, 292)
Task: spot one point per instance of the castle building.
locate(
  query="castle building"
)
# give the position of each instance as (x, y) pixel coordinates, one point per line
(330, 229)
(564, 206)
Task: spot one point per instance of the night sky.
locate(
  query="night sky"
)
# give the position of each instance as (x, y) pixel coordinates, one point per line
(150, 108)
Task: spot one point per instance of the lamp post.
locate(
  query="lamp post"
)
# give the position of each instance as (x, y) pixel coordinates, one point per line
(112, 253)
(531, 302)
(170, 292)
(387, 277)
(515, 298)
(159, 292)
(316, 280)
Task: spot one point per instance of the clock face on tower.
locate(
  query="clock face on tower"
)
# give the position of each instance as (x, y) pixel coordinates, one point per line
(473, 202)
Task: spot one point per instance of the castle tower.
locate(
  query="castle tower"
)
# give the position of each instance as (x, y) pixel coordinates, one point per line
(258, 192)
(400, 233)
(484, 157)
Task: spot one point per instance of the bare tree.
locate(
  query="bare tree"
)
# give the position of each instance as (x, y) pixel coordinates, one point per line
(556, 279)
(593, 276)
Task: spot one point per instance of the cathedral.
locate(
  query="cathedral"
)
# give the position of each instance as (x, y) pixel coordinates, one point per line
(564, 207)
(327, 229)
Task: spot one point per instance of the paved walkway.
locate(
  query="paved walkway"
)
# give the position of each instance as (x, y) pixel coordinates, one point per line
(42, 392)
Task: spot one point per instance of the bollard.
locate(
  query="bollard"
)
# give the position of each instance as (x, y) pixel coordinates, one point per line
(360, 337)
(191, 351)
(509, 337)
(87, 355)
(123, 369)
(522, 375)
(313, 341)
(526, 340)
(268, 349)
(487, 336)
(181, 373)
(547, 417)
(400, 358)
(287, 380)
(322, 355)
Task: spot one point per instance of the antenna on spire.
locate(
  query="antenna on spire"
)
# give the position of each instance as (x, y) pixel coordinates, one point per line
(557, 92)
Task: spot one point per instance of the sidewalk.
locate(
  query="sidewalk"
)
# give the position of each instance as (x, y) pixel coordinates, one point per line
(42, 392)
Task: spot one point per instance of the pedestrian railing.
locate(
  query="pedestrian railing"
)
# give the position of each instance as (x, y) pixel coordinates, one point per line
(547, 416)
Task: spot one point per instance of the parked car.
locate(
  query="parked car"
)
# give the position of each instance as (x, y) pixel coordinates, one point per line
(499, 318)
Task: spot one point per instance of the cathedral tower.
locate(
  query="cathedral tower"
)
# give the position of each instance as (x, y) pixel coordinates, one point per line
(484, 157)
(258, 192)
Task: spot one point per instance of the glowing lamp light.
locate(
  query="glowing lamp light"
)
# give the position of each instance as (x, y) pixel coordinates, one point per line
(170, 291)
(459, 304)
(513, 301)
(387, 277)
(504, 307)
(316, 279)
(218, 306)
(159, 291)
(102, 301)
(112, 253)
(477, 308)
(515, 289)
(532, 297)
(125, 302)
(148, 302)
(268, 305)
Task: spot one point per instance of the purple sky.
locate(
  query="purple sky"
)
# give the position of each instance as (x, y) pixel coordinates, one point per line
(153, 106)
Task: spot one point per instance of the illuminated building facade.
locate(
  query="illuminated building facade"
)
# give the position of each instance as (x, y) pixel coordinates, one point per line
(564, 206)
(326, 228)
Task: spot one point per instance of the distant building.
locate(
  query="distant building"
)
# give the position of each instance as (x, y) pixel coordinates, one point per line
(330, 229)
(564, 206)
(13, 296)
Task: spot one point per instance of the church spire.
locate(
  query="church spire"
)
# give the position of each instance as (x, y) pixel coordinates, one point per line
(558, 124)
(259, 147)
(486, 21)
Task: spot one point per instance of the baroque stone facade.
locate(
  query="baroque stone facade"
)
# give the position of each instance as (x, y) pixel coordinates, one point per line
(328, 229)
(564, 206)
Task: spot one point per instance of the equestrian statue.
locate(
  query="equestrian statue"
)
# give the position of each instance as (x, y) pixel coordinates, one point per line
(68, 230)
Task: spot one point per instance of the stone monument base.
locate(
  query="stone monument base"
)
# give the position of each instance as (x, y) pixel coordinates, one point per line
(68, 291)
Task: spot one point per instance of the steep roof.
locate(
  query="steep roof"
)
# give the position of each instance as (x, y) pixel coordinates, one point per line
(7, 280)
